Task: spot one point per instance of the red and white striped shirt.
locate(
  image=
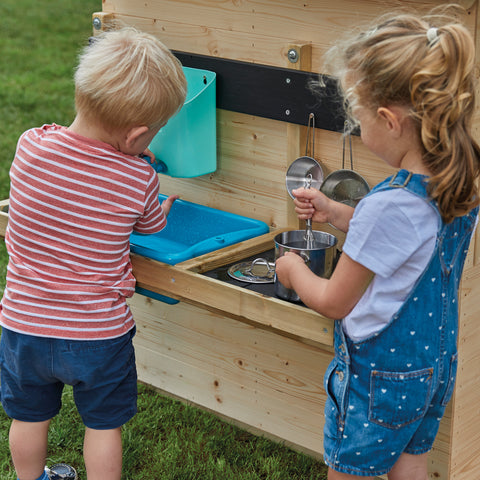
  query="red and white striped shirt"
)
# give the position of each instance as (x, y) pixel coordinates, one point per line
(73, 205)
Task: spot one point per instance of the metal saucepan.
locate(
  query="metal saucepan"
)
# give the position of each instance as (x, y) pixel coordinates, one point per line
(306, 166)
(306, 172)
(320, 259)
(345, 185)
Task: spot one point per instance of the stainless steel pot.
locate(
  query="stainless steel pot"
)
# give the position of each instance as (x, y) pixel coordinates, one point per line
(320, 259)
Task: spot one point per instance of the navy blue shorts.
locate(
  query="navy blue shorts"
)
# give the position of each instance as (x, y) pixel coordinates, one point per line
(34, 370)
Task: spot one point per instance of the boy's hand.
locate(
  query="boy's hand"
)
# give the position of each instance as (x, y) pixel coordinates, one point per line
(148, 153)
(168, 202)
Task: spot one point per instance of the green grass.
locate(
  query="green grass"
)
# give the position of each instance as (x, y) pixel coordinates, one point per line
(173, 441)
(39, 44)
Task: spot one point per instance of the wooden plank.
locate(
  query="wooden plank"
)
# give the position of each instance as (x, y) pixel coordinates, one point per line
(254, 408)
(465, 436)
(232, 301)
(296, 141)
(255, 31)
(251, 168)
(464, 441)
(3, 216)
(233, 253)
(253, 156)
(241, 351)
(475, 248)
(242, 372)
(103, 21)
(252, 164)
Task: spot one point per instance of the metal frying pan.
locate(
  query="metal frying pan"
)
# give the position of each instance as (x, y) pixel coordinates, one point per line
(345, 186)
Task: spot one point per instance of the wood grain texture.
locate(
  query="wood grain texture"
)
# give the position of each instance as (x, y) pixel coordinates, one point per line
(254, 154)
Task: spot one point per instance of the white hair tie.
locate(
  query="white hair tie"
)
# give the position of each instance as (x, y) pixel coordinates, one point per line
(432, 35)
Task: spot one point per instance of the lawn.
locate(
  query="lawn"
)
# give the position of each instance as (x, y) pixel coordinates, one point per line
(39, 43)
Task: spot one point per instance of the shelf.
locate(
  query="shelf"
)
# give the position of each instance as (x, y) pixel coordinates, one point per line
(185, 282)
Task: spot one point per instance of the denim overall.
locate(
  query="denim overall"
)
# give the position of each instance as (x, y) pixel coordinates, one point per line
(387, 394)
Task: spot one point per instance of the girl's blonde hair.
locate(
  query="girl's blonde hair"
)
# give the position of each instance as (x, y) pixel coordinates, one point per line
(397, 63)
(128, 78)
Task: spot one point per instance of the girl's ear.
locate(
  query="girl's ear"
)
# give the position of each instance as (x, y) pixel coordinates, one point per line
(391, 119)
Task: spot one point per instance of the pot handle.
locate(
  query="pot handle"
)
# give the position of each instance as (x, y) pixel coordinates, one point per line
(305, 256)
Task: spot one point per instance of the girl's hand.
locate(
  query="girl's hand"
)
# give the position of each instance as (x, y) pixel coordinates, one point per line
(312, 203)
(168, 202)
(285, 265)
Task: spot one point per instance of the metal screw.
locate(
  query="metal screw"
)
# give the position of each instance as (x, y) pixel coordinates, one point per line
(287, 112)
(293, 55)
(97, 23)
(288, 80)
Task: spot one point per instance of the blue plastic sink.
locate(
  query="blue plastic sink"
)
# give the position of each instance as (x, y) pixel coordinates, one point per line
(193, 230)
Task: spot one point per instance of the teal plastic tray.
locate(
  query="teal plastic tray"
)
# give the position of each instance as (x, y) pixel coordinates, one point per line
(193, 230)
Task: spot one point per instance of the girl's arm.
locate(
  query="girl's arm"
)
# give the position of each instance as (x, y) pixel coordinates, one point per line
(311, 203)
(334, 297)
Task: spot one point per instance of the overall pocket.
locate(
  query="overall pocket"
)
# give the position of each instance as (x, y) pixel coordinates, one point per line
(451, 380)
(335, 382)
(399, 398)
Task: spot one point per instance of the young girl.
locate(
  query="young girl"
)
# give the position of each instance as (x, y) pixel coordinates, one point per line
(409, 82)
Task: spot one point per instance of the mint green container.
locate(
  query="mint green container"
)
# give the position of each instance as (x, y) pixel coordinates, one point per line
(187, 144)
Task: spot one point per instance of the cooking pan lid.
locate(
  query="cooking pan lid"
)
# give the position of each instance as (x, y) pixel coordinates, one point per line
(257, 271)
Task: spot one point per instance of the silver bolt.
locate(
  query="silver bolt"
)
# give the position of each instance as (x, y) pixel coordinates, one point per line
(288, 80)
(97, 23)
(293, 55)
(287, 112)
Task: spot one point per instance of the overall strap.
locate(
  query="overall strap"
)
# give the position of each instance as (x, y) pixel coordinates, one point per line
(412, 182)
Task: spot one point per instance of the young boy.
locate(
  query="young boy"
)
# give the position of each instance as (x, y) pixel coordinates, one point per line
(76, 195)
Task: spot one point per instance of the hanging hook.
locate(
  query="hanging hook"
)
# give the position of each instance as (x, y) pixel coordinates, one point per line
(347, 131)
(310, 125)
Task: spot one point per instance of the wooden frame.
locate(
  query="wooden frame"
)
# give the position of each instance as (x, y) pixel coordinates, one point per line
(259, 361)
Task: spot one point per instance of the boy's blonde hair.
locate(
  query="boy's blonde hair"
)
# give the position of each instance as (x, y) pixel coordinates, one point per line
(426, 63)
(128, 78)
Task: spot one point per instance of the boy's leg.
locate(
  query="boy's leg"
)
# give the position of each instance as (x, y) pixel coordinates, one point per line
(102, 452)
(28, 446)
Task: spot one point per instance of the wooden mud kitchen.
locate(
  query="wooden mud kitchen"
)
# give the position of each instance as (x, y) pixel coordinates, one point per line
(243, 353)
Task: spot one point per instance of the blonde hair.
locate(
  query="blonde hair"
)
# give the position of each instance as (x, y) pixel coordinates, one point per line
(127, 78)
(396, 62)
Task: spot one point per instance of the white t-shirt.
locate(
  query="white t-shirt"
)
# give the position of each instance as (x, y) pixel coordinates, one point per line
(393, 234)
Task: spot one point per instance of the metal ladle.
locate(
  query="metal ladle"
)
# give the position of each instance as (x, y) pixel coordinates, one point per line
(309, 237)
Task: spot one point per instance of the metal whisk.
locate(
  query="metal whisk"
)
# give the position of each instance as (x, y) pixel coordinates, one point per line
(309, 237)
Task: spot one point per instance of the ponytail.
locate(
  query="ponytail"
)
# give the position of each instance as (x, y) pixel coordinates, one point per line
(428, 65)
(442, 93)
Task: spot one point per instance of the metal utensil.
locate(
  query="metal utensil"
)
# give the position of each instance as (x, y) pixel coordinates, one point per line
(345, 186)
(309, 238)
(307, 165)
